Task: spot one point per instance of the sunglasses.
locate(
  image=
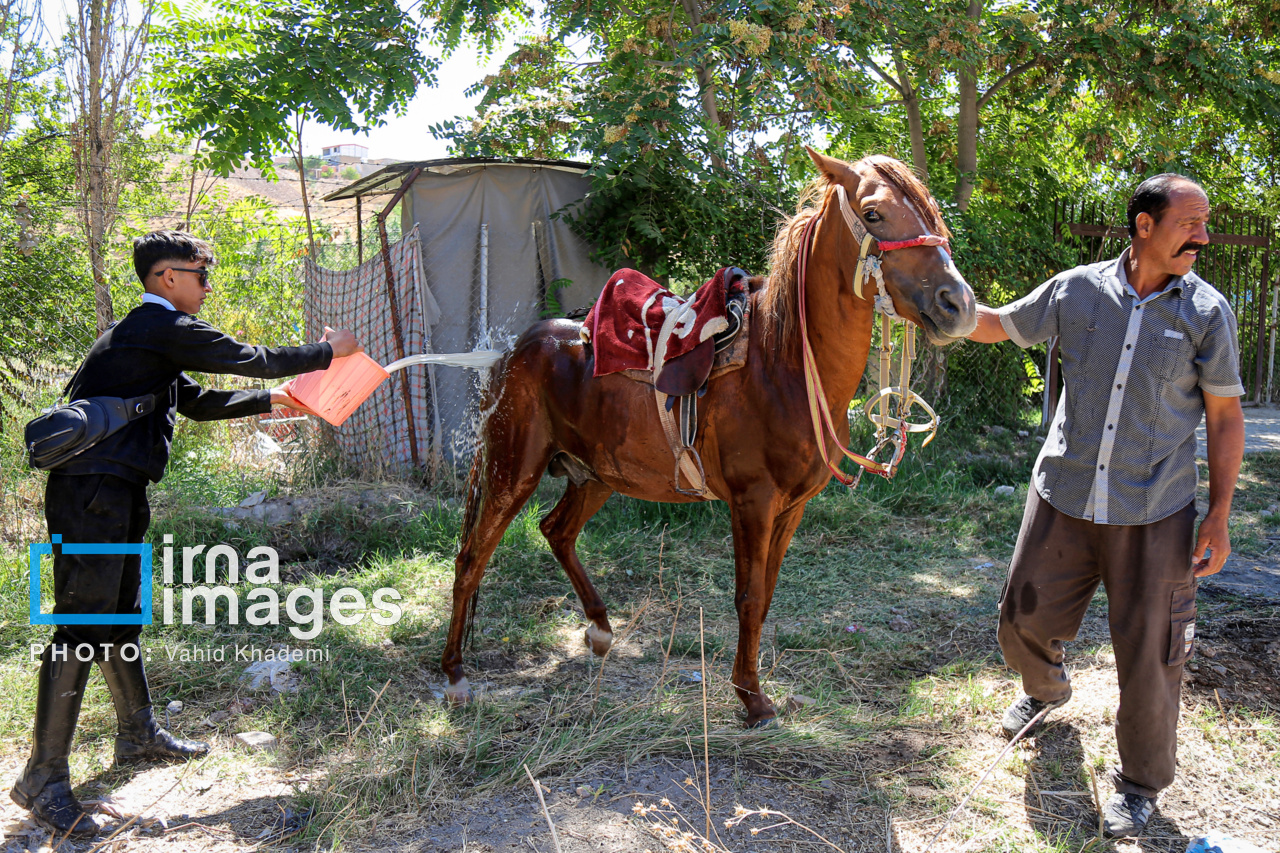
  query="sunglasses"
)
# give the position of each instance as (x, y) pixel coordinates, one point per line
(203, 273)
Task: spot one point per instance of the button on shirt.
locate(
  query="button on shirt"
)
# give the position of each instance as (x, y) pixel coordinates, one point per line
(1121, 449)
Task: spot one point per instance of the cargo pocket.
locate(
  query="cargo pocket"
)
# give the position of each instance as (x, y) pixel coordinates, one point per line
(1182, 625)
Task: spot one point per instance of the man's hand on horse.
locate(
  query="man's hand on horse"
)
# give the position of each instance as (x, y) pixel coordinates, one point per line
(344, 343)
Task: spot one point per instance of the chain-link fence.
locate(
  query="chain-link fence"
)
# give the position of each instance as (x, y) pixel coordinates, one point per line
(397, 428)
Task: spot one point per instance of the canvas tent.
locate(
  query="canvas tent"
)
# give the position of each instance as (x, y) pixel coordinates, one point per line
(496, 258)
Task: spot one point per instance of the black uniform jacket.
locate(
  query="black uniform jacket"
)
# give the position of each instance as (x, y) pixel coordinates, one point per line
(146, 353)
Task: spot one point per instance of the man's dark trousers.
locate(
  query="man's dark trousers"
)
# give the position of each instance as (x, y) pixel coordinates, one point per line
(86, 509)
(94, 508)
(1146, 570)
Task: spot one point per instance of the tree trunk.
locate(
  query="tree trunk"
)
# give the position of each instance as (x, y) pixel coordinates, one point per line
(967, 130)
(103, 63)
(96, 221)
(911, 100)
(706, 85)
(302, 182)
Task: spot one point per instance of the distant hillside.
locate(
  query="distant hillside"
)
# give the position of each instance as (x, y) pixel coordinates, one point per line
(282, 194)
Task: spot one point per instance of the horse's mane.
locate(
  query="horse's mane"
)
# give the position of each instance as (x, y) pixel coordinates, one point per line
(780, 302)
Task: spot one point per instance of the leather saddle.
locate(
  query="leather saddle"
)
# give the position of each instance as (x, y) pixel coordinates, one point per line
(688, 373)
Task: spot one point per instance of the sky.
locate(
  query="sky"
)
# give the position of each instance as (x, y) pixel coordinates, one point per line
(407, 137)
(403, 138)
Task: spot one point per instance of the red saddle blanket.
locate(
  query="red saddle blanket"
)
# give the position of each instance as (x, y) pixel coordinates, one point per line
(637, 324)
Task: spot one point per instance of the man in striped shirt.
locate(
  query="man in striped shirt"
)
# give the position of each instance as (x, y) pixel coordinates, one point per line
(1148, 348)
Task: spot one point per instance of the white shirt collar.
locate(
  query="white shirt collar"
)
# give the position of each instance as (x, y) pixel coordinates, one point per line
(157, 300)
(1121, 275)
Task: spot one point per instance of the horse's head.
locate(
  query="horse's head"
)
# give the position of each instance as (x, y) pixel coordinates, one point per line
(887, 201)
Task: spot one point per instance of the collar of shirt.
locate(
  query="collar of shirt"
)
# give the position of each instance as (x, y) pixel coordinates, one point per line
(157, 300)
(1118, 272)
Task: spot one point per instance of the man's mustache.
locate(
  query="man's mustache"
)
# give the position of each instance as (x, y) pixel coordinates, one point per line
(1191, 247)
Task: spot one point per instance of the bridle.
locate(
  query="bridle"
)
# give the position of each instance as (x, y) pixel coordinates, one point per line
(868, 268)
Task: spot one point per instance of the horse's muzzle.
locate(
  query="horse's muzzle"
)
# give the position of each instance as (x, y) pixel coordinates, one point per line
(951, 313)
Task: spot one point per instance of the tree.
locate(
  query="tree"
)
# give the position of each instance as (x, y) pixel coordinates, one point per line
(104, 57)
(725, 84)
(244, 76)
(692, 113)
(1132, 59)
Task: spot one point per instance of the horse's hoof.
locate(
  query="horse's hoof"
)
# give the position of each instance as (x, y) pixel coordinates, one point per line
(598, 640)
(459, 694)
(764, 724)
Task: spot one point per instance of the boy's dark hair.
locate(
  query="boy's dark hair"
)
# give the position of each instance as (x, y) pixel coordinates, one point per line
(151, 249)
(1152, 196)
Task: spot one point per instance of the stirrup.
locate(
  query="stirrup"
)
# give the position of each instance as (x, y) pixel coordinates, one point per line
(704, 491)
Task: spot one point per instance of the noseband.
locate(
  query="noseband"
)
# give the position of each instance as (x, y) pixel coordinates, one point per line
(868, 268)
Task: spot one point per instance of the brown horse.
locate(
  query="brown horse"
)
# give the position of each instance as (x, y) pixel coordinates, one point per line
(756, 438)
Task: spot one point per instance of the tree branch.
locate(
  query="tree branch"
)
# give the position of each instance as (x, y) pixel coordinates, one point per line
(898, 102)
(1008, 75)
(888, 78)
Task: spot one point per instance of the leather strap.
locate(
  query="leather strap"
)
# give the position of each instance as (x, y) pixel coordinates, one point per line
(822, 424)
(137, 407)
(688, 462)
(868, 267)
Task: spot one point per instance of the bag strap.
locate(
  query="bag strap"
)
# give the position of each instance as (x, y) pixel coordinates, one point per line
(66, 389)
(137, 407)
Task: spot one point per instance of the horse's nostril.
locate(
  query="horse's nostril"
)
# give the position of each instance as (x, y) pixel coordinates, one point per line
(945, 297)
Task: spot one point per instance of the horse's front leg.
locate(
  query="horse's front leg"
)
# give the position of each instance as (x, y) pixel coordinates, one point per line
(758, 528)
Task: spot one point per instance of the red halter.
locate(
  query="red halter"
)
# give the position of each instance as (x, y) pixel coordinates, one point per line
(926, 240)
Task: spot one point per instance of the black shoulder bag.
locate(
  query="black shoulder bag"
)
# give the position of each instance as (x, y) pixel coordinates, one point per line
(66, 430)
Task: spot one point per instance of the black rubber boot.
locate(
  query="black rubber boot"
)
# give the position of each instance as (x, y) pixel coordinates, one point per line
(140, 737)
(45, 784)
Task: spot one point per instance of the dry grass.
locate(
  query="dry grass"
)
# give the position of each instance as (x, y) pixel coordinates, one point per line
(893, 730)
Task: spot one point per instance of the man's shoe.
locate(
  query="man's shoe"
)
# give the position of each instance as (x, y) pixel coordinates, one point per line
(146, 741)
(56, 807)
(139, 737)
(1024, 711)
(44, 785)
(1126, 815)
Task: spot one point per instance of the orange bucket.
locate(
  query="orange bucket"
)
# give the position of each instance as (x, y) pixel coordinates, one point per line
(336, 392)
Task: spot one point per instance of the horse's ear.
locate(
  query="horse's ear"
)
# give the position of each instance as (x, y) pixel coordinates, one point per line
(832, 169)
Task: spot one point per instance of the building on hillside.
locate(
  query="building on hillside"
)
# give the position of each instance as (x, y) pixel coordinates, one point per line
(347, 153)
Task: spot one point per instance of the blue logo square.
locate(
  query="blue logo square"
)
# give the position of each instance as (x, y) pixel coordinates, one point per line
(142, 549)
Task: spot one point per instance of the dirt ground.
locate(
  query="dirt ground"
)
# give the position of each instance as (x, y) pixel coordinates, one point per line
(883, 795)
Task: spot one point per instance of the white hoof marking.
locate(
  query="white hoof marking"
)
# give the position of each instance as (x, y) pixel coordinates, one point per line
(598, 640)
(458, 694)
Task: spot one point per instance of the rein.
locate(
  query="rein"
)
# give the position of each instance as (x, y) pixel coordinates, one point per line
(868, 269)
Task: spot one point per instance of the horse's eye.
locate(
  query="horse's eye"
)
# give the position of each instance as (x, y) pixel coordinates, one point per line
(872, 216)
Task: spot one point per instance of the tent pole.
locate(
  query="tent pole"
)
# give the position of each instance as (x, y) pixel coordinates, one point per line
(395, 312)
(483, 338)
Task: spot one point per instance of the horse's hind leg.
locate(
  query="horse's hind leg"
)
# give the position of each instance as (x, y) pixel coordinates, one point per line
(503, 477)
(561, 527)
